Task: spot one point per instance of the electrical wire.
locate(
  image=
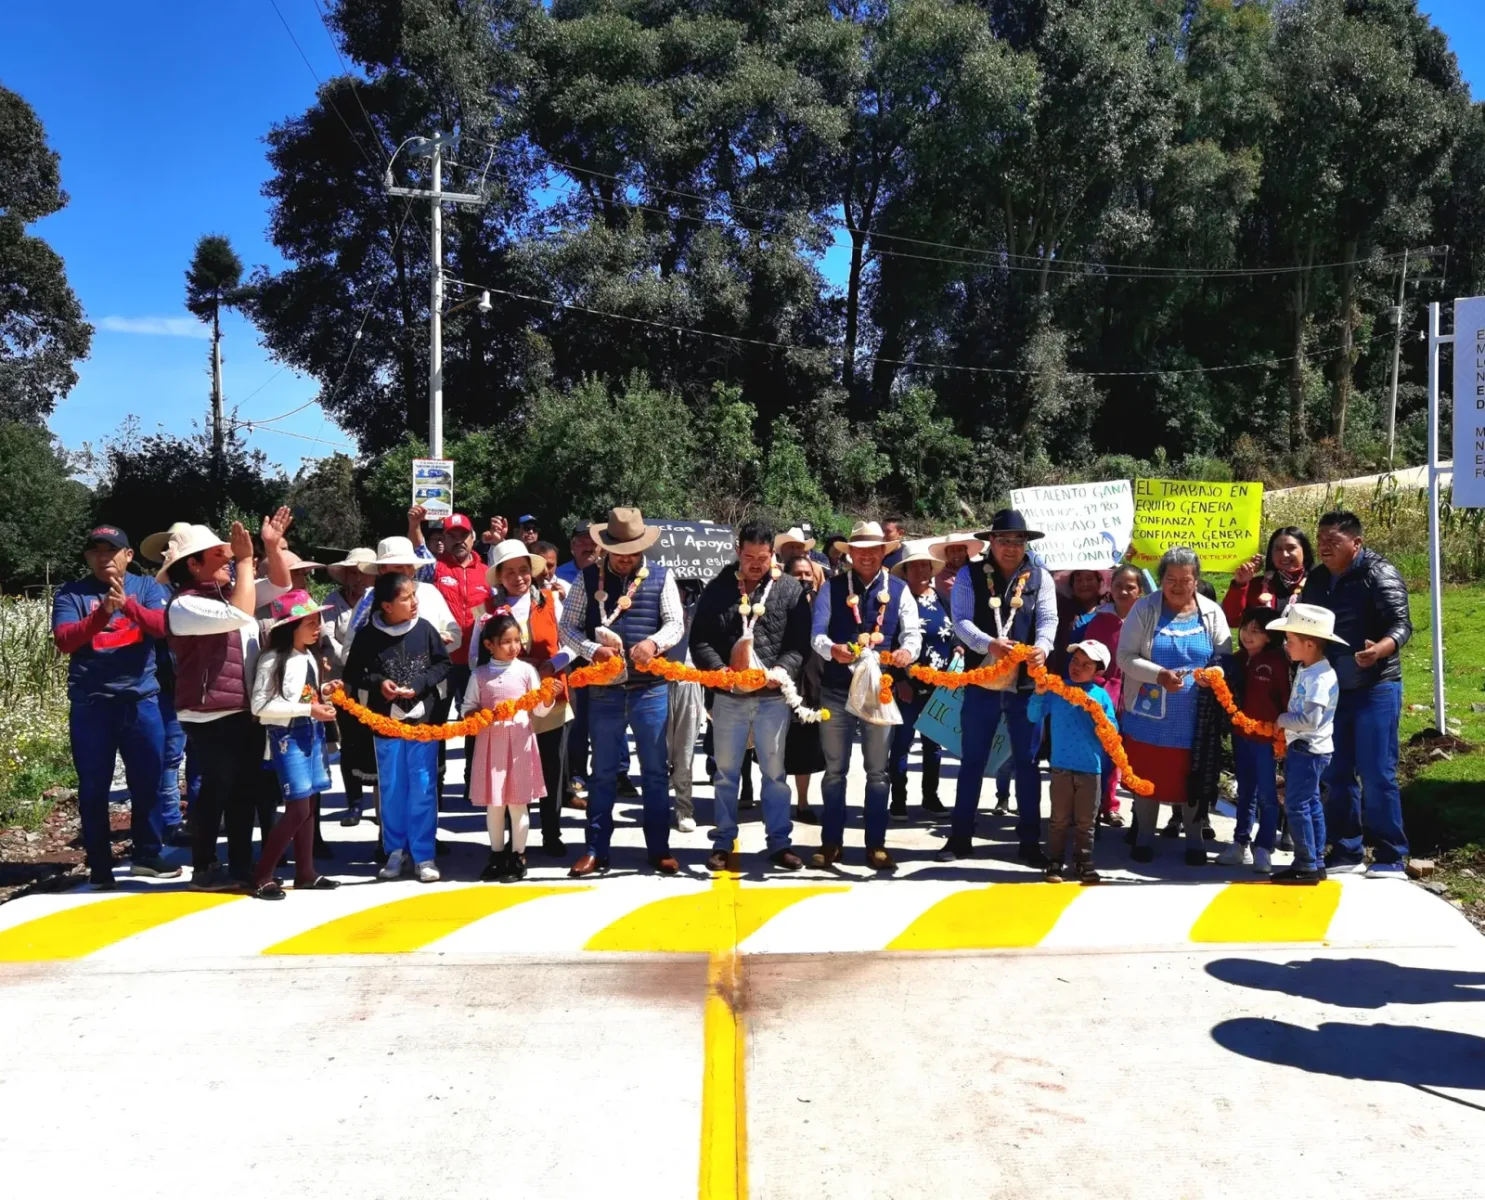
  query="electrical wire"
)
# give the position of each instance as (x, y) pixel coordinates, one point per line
(910, 364)
(994, 256)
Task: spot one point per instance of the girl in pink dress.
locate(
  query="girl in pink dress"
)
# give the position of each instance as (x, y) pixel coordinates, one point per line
(506, 771)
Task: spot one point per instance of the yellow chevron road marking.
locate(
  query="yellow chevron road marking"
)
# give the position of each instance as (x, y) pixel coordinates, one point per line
(996, 917)
(1262, 912)
(84, 928)
(411, 924)
(693, 924)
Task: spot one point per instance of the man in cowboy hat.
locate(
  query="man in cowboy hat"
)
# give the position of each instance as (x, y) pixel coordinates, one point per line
(796, 542)
(864, 605)
(625, 605)
(115, 710)
(751, 615)
(1007, 600)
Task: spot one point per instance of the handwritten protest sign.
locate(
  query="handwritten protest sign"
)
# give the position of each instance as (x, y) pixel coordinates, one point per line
(693, 549)
(939, 722)
(1087, 525)
(1220, 521)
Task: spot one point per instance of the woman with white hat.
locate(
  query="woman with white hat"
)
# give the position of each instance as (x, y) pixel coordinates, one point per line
(398, 556)
(357, 753)
(920, 563)
(512, 576)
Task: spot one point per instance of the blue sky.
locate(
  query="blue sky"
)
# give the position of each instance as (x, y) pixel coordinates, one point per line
(158, 111)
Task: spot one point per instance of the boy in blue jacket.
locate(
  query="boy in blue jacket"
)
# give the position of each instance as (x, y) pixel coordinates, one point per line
(1077, 760)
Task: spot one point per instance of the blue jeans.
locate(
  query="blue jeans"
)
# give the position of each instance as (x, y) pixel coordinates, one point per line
(767, 716)
(577, 736)
(1257, 788)
(902, 746)
(982, 711)
(1366, 745)
(612, 710)
(836, 736)
(131, 729)
(175, 753)
(407, 773)
(1302, 771)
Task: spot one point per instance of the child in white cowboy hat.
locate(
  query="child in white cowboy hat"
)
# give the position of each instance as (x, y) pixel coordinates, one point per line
(920, 563)
(286, 699)
(1308, 725)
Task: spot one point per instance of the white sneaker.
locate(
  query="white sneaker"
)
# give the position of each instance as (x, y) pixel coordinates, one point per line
(394, 866)
(686, 825)
(1236, 855)
(428, 872)
(1263, 860)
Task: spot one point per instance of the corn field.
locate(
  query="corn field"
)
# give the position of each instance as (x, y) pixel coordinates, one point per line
(31, 669)
(35, 753)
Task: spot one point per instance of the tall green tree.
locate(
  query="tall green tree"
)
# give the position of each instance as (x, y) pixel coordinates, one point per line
(42, 330)
(45, 511)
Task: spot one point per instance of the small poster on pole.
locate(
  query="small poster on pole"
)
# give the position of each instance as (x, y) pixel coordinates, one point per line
(1469, 402)
(433, 486)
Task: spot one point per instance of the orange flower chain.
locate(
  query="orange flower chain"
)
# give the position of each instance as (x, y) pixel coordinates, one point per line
(472, 725)
(1241, 721)
(674, 672)
(996, 672)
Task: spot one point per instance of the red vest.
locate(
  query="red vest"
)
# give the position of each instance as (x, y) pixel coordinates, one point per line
(465, 591)
(209, 675)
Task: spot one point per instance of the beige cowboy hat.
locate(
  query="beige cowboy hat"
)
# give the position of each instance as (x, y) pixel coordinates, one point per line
(192, 539)
(153, 547)
(508, 550)
(625, 532)
(867, 534)
(392, 552)
(300, 564)
(793, 536)
(353, 561)
(975, 546)
(1309, 620)
(921, 550)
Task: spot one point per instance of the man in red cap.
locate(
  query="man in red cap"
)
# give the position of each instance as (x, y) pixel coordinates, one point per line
(459, 576)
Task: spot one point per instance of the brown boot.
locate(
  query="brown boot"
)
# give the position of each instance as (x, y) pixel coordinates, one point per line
(826, 856)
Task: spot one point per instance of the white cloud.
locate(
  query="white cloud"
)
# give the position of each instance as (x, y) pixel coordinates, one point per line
(186, 327)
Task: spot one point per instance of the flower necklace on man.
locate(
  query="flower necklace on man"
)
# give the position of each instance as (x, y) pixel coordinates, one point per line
(750, 610)
(624, 601)
(1016, 601)
(853, 602)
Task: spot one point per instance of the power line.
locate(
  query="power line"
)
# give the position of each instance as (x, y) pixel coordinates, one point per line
(993, 256)
(250, 426)
(902, 362)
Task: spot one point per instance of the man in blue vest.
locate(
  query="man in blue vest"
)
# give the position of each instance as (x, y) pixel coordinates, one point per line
(1005, 601)
(623, 604)
(869, 609)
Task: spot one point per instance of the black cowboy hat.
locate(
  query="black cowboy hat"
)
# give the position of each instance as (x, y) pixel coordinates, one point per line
(1009, 520)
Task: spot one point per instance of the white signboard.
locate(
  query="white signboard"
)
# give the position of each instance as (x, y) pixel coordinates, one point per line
(433, 486)
(1087, 525)
(1469, 402)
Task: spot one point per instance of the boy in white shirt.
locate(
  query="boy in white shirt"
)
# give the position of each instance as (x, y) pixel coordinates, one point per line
(1307, 724)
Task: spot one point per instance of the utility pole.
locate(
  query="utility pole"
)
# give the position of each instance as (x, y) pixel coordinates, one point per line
(218, 431)
(433, 147)
(1397, 321)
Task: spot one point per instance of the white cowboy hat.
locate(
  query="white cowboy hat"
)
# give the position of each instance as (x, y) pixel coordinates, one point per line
(867, 534)
(1310, 620)
(794, 535)
(392, 552)
(153, 547)
(625, 532)
(508, 550)
(192, 539)
(300, 564)
(920, 550)
(353, 561)
(975, 546)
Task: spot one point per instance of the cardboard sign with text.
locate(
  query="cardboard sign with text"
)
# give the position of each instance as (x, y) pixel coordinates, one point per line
(1469, 402)
(1222, 522)
(939, 722)
(1087, 525)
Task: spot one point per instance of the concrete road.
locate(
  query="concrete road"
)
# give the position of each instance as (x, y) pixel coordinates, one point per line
(960, 1030)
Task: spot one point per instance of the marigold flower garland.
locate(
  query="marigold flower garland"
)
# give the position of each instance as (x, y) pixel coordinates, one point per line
(1108, 733)
(752, 680)
(1241, 721)
(475, 723)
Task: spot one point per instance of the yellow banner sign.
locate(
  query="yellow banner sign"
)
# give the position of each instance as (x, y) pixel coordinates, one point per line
(1222, 522)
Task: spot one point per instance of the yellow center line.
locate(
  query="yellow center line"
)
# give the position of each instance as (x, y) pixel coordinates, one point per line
(724, 1105)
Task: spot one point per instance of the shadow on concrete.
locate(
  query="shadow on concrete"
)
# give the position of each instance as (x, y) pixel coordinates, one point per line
(1418, 1057)
(1352, 982)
